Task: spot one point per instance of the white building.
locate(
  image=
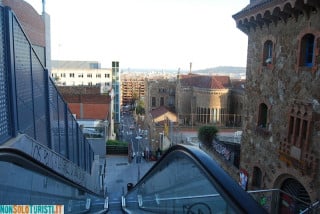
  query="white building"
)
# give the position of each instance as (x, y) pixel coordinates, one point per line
(70, 73)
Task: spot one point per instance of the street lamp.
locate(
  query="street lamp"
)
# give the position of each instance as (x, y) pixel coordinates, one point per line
(138, 138)
(106, 125)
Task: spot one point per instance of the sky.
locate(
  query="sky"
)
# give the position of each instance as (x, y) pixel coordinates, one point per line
(158, 34)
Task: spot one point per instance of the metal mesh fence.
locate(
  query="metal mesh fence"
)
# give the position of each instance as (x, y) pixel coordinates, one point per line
(29, 98)
(4, 97)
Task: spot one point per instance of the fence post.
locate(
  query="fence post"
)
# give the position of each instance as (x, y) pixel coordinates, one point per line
(48, 118)
(9, 53)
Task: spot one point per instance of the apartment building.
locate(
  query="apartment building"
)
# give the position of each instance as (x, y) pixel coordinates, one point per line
(132, 88)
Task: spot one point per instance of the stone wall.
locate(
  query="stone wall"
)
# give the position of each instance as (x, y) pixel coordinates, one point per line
(280, 86)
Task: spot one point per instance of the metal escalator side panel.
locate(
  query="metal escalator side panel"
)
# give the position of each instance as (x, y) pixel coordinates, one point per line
(186, 179)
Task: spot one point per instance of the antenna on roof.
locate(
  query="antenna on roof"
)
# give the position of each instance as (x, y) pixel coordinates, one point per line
(190, 67)
(43, 6)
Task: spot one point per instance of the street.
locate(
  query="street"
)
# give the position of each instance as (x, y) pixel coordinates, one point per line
(135, 137)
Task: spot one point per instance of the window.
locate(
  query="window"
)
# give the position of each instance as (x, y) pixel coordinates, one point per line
(80, 75)
(153, 101)
(71, 75)
(89, 75)
(257, 177)
(63, 75)
(263, 115)
(107, 75)
(89, 83)
(98, 75)
(307, 50)
(299, 126)
(161, 101)
(267, 52)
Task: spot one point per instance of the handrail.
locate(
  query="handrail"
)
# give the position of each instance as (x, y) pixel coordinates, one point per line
(214, 178)
(315, 205)
(22, 159)
(278, 190)
(24, 163)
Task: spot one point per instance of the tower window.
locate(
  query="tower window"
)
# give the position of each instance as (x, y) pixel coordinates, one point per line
(307, 50)
(263, 115)
(267, 52)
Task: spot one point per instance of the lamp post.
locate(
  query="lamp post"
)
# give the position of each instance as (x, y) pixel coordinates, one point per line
(138, 138)
(106, 125)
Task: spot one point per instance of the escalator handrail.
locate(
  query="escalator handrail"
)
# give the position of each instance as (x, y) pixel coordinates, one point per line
(230, 190)
(20, 158)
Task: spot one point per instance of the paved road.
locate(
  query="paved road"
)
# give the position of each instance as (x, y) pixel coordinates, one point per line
(133, 135)
(120, 172)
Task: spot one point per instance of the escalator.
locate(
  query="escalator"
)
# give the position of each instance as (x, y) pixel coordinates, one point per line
(25, 181)
(187, 180)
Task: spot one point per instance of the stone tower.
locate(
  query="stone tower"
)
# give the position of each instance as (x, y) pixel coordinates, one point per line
(280, 145)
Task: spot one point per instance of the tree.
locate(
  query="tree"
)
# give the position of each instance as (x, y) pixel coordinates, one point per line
(206, 134)
(140, 107)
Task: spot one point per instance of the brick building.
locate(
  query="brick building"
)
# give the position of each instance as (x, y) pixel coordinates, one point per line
(86, 102)
(281, 131)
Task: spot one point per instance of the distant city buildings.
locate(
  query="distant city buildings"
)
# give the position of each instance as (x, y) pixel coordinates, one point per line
(132, 88)
(194, 100)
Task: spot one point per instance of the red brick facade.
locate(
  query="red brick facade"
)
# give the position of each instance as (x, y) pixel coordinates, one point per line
(86, 102)
(90, 111)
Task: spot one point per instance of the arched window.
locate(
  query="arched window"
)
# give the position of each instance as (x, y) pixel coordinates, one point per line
(267, 52)
(263, 115)
(307, 50)
(257, 177)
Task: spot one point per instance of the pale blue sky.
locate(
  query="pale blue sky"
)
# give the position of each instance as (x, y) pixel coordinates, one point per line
(162, 34)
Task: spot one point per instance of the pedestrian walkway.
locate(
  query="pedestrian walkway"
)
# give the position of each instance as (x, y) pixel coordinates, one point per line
(119, 172)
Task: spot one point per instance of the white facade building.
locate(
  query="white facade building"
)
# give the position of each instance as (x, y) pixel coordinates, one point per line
(71, 73)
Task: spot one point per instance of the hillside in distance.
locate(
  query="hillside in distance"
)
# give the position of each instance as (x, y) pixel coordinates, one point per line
(233, 72)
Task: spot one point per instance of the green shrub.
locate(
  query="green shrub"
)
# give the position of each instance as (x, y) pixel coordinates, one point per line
(206, 134)
(116, 143)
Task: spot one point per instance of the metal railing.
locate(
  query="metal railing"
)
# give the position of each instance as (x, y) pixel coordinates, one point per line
(274, 200)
